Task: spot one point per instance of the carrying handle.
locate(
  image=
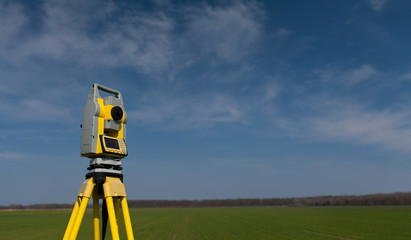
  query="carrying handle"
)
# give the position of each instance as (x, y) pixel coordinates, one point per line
(97, 87)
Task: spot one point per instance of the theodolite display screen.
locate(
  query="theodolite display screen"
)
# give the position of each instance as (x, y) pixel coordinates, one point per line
(112, 143)
(113, 146)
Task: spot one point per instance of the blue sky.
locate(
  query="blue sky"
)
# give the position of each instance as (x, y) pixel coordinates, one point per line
(225, 99)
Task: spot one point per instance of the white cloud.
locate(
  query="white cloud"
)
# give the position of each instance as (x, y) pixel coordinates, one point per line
(329, 114)
(228, 32)
(269, 91)
(25, 158)
(172, 107)
(360, 74)
(36, 109)
(142, 41)
(20, 156)
(326, 113)
(377, 5)
(100, 33)
(162, 2)
(13, 156)
(12, 21)
(190, 111)
(406, 76)
(348, 76)
(282, 33)
(388, 128)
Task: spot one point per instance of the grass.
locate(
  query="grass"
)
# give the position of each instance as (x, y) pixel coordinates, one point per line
(225, 223)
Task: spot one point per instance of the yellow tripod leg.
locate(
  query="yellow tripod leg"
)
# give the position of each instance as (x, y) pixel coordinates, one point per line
(114, 188)
(112, 218)
(117, 207)
(96, 217)
(72, 219)
(79, 218)
(127, 221)
(83, 197)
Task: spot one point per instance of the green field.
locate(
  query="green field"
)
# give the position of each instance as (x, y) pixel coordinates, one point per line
(225, 223)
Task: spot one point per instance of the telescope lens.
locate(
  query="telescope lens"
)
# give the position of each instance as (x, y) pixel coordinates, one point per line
(117, 113)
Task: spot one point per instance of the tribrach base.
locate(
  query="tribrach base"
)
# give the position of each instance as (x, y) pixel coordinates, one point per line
(112, 190)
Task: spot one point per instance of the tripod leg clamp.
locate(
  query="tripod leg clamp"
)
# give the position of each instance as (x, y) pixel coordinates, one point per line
(113, 187)
(86, 188)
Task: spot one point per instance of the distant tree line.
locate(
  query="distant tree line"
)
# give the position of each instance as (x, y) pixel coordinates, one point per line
(38, 206)
(349, 200)
(392, 199)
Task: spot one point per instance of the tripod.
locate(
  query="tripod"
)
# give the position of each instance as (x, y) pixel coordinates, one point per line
(102, 183)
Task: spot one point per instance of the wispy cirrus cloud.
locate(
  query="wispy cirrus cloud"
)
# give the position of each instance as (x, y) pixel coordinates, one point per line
(102, 34)
(320, 111)
(178, 108)
(12, 20)
(229, 33)
(333, 119)
(347, 76)
(405, 76)
(188, 112)
(142, 41)
(22, 157)
(111, 36)
(282, 33)
(388, 128)
(36, 109)
(377, 5)
(13, 156)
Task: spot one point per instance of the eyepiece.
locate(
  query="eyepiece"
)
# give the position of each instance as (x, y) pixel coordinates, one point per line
(117, 113)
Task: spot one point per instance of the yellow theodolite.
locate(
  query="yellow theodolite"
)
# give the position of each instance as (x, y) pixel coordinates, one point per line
(103, 140)
(103, 131)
